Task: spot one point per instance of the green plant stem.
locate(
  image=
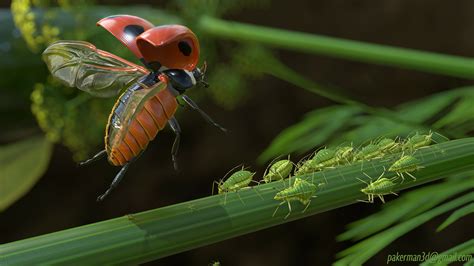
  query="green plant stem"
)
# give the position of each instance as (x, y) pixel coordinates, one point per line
(450, 65)
(145, 236)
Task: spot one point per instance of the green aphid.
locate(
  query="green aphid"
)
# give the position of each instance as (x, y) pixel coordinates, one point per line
(277, 171)
(405, 165)
(387, 145)
(324, 158)
(370, 151)
(304, 167)
(301, 190)
(380, 187)
(238, 180)
(344, 154)
(418, 141)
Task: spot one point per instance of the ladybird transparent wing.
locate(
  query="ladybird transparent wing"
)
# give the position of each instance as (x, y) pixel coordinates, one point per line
(131, 102)
(80, 64)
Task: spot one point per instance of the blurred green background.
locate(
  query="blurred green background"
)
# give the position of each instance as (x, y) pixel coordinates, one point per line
(255, 107)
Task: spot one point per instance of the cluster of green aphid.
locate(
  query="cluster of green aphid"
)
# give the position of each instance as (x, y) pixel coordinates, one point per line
(303, 191)
(332, 157)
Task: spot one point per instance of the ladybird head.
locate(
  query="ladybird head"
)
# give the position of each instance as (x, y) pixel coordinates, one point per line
(170, 46)
(199, 75)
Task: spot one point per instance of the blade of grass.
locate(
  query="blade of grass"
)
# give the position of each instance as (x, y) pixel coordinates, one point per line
(146, 236)
(450, 65)
(458, 214)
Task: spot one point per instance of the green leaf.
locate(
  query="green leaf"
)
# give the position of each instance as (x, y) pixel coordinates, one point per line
(459, 253)
(458, 214)
(21, 165)
(145, 236)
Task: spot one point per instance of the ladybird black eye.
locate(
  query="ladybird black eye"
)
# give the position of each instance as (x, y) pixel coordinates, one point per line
(184, 48)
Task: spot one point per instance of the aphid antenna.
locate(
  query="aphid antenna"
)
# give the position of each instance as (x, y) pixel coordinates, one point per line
(218, 183)
(381, 175)
(240, 165)
(305, 158)
(363, 181)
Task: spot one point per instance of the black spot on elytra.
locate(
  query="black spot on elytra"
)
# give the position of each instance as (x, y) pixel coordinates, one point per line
(185, 48)
(132, 31)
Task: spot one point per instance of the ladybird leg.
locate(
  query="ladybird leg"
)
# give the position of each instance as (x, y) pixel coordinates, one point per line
(206, 117)
(94, 158)
(174, 150)
(115, 182)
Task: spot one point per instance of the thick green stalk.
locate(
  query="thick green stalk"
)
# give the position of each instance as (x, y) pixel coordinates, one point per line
(450, 65)
(154, 234)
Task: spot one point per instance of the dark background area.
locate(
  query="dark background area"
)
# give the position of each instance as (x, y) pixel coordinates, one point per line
(66, 196)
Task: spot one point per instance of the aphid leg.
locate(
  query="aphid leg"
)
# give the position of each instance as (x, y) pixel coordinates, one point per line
(362, 165)
(256, 191)
(340, 174)
(289, 208)
(412, 176)
(281, 203)
(116, 181)
(381, 198)
(366, 201)
(307, 205)
(324, 176)
(370, 196)
(206, 117)
(174, 150)
(94, 158)
(402, 176)
(238, 195)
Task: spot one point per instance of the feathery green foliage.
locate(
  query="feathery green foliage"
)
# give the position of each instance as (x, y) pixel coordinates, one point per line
(351, 124)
